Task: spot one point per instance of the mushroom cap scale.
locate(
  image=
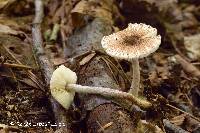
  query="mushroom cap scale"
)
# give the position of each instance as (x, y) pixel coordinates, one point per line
(136, 41)
(60, 78)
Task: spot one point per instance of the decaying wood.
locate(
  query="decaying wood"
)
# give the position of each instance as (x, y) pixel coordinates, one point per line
(173, 128)
(44, 63)
(101, 112)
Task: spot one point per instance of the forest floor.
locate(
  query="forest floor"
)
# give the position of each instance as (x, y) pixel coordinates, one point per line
(170, 77)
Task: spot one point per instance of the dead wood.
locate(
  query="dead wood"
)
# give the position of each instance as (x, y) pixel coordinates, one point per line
(102, 114)
(44, 63)
(173, 128)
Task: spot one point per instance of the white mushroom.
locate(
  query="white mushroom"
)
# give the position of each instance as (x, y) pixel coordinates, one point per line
(62, 76)
(134, 42)
(63, 85)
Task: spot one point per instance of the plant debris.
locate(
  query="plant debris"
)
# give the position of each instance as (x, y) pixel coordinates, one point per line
(37, 36)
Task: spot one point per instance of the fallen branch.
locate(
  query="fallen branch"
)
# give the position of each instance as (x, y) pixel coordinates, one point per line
(44, 63)
(173, 128)
(197, 119)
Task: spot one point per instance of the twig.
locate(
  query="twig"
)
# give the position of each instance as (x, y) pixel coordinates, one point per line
(63, 35)
(183, 112)
(102, 128)
(13, 65)
(196, 63)
(173, 128)
(11, 55)
(43, 61)
(120, 71)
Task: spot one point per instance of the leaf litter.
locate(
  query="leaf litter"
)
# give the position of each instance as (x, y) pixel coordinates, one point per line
(169, 77)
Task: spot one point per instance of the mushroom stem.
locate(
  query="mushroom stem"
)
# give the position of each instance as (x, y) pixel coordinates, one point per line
(136, 78)
(109, 93)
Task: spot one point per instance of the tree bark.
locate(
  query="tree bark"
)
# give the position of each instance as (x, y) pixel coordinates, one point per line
(102, 114)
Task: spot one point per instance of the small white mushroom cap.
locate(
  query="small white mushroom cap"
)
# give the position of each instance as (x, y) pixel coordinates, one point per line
(60, 78)
(136, 41)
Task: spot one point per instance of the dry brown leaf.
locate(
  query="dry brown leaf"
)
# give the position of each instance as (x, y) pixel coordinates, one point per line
(161, 71)
(19, 24)
(153, 78)
(8, 21)
(58, 60)
(192, 125)
(13, 47)
(189, 20)
(192, 44)
(4, 3)
(87, 59)
(188, 67)
(7, 30)
(178, 120)
(29, 82)
(161, 4)
(103, 9)
(147, 127)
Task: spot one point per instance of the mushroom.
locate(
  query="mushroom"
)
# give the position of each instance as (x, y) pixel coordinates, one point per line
(63, 87)
(134, 42)
(60, 77)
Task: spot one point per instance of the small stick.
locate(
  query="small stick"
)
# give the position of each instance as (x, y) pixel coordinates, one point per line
(45, 65)
(173, 128)
(102, 128)
(183, 112)
(13, 65)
